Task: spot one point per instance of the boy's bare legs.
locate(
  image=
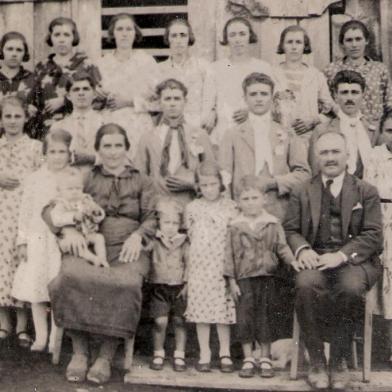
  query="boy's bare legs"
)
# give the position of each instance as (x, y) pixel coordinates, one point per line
(40, 318)
(159, 337)
(180, 338)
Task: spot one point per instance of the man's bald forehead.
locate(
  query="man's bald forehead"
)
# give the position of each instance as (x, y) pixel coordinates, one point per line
(332, 136)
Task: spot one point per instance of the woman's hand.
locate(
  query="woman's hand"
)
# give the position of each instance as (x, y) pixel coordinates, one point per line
(21, 252)
(73, 242)
(184, 292)
(115, 102)
(209, 122)
(54, 104)
(131, 249)
(8, 183)
(32, 110)
(240, 116)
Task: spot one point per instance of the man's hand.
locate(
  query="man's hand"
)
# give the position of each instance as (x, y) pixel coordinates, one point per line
(240, 116)
(234, 290)
(73, 242)
(330, 261)
(54, 104)
(131, 249)
(308, 259)
(209, 122)
(177, 184)
(184, 292)
(301, 126)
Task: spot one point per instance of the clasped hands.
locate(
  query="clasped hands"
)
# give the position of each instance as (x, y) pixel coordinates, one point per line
(309, 259)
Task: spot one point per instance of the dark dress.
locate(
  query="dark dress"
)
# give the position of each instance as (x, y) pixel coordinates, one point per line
(108, 300)
(51, 83)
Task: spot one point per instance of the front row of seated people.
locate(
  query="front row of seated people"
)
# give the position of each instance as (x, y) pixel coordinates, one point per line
(212, 260)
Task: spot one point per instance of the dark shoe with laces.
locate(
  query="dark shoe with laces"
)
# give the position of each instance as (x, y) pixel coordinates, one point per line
(318, 377)
(340, 375)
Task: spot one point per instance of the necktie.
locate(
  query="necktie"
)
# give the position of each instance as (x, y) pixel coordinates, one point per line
(325, 232)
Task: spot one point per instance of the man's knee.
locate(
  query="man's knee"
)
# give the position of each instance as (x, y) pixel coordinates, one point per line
(352, 282)
(309, 280)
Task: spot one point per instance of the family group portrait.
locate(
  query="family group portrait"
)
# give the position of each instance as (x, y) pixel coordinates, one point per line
(195, 195)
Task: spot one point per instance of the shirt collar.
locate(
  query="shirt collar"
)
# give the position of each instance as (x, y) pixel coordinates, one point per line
(338, 181)
(171, 243)
(128, 172)
(347, 119)
(255, 118)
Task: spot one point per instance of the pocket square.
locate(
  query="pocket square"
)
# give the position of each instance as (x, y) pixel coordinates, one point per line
(357, 206)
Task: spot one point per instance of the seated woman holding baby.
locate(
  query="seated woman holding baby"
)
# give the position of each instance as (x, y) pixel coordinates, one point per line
(99, 298)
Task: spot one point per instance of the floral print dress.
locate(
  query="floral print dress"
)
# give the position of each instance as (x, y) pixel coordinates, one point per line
(51, 83)
(209, 300)
(17, 159)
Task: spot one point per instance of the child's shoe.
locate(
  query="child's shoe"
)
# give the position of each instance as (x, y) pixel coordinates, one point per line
(179, 364)
(248, 369)
(226, 364)
(157, 360)
(204, 367)
(266, 368)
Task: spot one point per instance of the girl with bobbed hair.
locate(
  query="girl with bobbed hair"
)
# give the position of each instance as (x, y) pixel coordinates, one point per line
(14, 78)
(54, 73)
(185, 67)
(128, 79)
(223, 102)
(307, 84)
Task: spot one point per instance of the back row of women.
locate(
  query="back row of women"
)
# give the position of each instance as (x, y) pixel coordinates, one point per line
(130, 93)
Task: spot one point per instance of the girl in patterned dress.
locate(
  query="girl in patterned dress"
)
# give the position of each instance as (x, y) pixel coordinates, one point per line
(378, 173)
(19, 156)
(209, 301)
(54, 73)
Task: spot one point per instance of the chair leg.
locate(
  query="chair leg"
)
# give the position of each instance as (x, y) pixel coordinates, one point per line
(367, 344)
(128, 355)
(58, 340)
(295, 349)
(354, 354)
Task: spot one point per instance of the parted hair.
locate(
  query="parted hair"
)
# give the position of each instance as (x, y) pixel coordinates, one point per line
(294, 29)
(170, 84)
(58, 136)
(17, 36)
(353, 25)
(209, 168)
(348, 76)
(110, 129)
(255, 78)
(180, 21)
(252, 35)
(79, 76)
(61, 21)
(124, 15)
(14, 100)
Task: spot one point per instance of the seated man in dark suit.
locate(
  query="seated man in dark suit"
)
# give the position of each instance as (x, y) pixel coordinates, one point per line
(333, 226)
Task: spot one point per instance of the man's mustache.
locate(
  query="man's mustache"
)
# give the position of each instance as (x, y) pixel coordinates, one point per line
(349, 102)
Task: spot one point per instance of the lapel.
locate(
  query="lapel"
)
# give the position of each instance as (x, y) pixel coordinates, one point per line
(246, 133)
(315, 194)
(349, 198)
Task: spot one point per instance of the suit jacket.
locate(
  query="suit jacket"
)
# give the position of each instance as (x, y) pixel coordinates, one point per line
(361, 221)
(334, 126)
(237, 157)
(149, 154)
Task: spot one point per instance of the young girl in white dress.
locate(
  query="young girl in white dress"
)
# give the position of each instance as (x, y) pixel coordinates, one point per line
(36, 244)
(209, 301)
(378, 172)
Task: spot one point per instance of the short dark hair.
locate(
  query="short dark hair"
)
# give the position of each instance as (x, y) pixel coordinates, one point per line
(58, 135)
(252, 35)
(353, 25)
(14, 35)
(252, 182)
(350, 77)
(61, 21)
(209, 168)
(124, 15)
(180, 21)
(294, 29)
(111, 129)
(386, 116)
(79, 77)
(257, 77)
(171, 84)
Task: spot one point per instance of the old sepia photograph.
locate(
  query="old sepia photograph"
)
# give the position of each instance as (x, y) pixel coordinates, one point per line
(195, 195)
